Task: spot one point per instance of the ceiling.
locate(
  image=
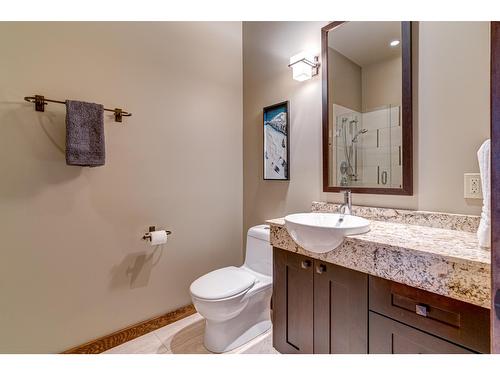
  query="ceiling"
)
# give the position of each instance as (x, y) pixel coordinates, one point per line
(366, 43)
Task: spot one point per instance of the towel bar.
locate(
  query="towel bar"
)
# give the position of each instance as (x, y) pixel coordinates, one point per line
(40, 102)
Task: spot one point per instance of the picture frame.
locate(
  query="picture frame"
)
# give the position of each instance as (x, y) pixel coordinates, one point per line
(276, 142)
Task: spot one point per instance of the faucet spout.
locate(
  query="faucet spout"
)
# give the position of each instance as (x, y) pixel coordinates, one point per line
(346, 207)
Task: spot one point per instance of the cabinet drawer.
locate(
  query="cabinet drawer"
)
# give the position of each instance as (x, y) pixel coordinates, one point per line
(390, 337)
(462, 323)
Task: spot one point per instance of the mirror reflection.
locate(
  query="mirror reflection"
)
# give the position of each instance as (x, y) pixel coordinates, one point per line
(365, 99)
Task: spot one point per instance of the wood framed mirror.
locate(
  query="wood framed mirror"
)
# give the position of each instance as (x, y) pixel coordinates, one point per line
(367, 107)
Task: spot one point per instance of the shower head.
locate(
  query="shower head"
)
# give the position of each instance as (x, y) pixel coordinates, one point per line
(362, 131)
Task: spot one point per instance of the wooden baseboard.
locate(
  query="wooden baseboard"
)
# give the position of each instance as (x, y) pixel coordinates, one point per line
(119, 337)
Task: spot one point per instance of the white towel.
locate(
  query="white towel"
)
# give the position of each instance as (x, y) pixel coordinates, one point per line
(484, 230)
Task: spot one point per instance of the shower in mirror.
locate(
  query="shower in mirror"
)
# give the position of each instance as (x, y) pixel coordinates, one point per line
(368, 147)
(347, 148)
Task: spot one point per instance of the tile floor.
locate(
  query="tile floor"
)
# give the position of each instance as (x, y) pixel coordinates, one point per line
(186, 337)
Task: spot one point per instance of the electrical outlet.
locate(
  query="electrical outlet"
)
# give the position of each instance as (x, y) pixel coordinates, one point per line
(472, 186)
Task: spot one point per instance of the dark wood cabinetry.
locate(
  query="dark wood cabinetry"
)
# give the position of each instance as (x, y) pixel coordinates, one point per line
(319, 307)
(459, 322)
(388, 336)
(340, 310)
(292, 303)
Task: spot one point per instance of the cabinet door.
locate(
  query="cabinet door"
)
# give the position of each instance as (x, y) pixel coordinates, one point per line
(340, 310)
(390, 337)
(292, 302)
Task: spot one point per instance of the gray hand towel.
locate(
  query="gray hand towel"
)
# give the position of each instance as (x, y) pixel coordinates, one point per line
(84, 134)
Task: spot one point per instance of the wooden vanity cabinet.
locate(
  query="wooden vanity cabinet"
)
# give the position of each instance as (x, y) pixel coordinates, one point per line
(292, 302)
(443, 325)
(340, 310)
(388, 336)
(318, 307)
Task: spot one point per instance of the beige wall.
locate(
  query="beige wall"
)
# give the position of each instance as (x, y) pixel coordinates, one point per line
(344, 81)
(451, 114)
(454, 112)
(363, 88)
(267, 80)
(381, 84)
(72, 264)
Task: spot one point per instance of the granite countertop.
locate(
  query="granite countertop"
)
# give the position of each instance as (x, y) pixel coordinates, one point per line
(444, 261)
(451, 244)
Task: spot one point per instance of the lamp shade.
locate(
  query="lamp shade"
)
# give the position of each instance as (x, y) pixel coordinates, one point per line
(302, 70)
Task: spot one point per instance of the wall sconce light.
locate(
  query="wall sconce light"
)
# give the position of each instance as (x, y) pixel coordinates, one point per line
(304, 66)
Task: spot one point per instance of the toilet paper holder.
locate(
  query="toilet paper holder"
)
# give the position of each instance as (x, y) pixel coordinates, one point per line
(147, 236)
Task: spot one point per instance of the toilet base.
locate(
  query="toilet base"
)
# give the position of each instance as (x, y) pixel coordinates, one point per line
(217, 344)
(254, 320)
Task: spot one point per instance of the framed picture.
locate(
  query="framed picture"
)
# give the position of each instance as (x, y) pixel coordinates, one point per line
(277, 142)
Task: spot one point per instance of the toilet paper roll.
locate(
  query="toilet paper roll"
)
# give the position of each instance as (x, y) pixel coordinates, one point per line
(158, 237)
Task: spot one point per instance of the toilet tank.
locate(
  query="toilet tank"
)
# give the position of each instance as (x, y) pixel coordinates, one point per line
(259, 252)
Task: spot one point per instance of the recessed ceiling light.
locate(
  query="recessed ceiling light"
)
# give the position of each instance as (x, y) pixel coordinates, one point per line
(394, 43)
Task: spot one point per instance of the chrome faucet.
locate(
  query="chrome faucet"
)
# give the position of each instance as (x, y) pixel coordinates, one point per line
(346, 207)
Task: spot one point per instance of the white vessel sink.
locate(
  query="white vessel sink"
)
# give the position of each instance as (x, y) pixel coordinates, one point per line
(322, 232)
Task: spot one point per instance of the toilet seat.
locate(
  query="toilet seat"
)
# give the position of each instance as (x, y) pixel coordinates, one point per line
(222, 283)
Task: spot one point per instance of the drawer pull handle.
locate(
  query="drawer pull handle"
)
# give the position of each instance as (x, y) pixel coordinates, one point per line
(421, 310)
(306, 264)
(321, 268)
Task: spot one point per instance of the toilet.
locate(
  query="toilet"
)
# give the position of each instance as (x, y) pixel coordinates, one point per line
(235, 301)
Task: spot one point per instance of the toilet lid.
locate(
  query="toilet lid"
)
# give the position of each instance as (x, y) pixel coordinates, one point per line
(222, 283)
